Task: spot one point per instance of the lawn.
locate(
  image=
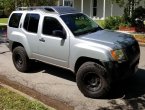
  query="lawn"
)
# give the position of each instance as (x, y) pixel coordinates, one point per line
(13, 101)
(140, 37)
(100, 23)
(3, 20)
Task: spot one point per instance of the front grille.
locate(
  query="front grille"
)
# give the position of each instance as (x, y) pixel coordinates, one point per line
(132, 51)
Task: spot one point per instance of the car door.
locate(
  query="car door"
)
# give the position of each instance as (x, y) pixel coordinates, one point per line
(52, 48)
(30, 30)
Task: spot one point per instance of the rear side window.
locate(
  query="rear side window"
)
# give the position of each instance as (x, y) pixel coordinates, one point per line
(15, 20)
(31, 22)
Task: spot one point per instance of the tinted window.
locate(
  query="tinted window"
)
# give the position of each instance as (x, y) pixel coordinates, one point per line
(15, 19)
(80, 24)
(50, 24)
(94, 7)
(31, 22)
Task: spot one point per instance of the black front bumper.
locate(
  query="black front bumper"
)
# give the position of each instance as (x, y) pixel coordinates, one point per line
(125, 69)
(120, 71)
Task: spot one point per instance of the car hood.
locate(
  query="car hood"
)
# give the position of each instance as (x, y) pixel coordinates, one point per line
(110, 38)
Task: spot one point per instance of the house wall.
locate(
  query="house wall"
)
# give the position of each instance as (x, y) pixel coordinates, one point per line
(86, 10)
(99, 9)
(142, 3)
(117, 11)
(113, 9)
(108, 8)
(77, 4)
(60, 2)
(87, 7)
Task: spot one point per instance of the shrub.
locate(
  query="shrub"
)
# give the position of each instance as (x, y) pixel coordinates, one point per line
(112, 22)
(137, 19)
(125, 24)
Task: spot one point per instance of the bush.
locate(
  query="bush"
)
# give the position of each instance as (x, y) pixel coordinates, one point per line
(137, 19)
(125, 24)
(112, 22)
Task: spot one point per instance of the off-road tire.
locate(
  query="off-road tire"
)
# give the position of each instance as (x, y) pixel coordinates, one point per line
(93, 80)
(20, 59)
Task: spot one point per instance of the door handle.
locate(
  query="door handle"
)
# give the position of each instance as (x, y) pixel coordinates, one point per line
(42, 40)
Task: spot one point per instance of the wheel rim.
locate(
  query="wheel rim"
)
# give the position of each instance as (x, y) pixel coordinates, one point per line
(18, 60)
(92, 82)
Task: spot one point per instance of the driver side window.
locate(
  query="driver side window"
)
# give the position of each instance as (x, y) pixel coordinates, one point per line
(51, 24)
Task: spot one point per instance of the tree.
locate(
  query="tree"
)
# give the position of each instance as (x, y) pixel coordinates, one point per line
(9, 5)
(1, 8)
(134, 16)
(129, 5)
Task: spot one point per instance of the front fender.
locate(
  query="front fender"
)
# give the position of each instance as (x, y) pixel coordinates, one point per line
(89, 50)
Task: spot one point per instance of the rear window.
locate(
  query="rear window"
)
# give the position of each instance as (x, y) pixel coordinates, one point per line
(31, 22)
(15, 20)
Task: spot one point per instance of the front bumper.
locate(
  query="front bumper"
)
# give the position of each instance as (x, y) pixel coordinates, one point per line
(121, 71)
(125, 69)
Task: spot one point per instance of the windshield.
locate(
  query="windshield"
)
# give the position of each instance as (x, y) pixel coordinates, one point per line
(80, 24)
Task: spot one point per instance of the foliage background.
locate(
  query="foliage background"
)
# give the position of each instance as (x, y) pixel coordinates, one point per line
(7, 6)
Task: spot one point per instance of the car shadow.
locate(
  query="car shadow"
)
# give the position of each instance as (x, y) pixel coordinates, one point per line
(53, 70)
(1, 40)
(131, 92)
(132, 88)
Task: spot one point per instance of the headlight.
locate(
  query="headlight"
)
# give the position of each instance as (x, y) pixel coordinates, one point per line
(118, 55)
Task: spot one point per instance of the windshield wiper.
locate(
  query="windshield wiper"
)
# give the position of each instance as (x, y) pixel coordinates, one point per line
(88, 31)
(95, 29)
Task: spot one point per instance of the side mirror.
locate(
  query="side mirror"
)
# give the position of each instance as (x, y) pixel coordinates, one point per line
(59, 33)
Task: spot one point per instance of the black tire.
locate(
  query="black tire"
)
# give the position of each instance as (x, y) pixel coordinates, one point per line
(20, 59)
(93, 80)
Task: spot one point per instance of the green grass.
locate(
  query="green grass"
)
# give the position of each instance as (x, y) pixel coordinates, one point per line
(13, 101)
(100, 23)
(140, 37)
(3, 20)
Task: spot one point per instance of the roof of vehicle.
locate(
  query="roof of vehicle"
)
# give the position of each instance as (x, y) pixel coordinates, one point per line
(51, 9)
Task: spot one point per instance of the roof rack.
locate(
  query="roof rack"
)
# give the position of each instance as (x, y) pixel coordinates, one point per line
(57, 9)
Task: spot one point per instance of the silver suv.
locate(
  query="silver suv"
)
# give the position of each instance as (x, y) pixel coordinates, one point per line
(64, 37)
